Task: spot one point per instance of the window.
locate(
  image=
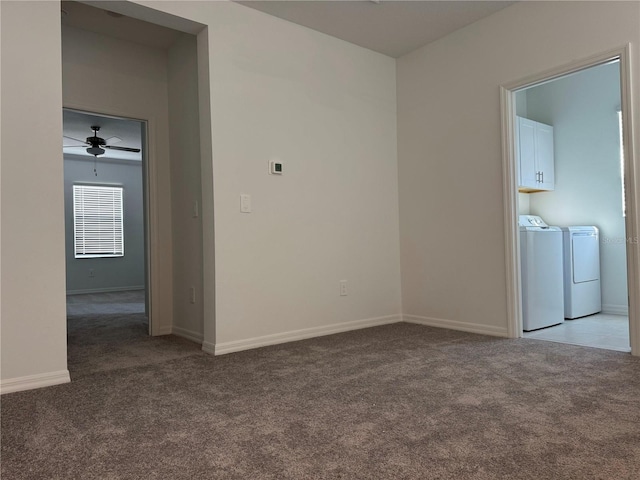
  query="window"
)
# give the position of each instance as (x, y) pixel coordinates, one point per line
(97, 221)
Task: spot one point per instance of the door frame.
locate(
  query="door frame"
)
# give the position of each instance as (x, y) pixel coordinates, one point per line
(150, 203)
(509, 177)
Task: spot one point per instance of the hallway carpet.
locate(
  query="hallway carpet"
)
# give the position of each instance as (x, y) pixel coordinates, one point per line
(394, 402)
(109, 331)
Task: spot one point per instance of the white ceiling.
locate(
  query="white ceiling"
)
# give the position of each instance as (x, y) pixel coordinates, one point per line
(392, 27)
(78, 125)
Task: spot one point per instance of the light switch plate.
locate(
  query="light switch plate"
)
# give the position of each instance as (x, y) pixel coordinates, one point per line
(245, 203)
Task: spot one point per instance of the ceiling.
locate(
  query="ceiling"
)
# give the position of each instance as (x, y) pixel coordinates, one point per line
(78, 125)
(391, 27)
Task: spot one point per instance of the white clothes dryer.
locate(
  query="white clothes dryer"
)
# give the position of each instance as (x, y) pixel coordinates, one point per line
(581, 249)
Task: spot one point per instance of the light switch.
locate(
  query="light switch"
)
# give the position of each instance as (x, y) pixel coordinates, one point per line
(194, 209)
(245, 203)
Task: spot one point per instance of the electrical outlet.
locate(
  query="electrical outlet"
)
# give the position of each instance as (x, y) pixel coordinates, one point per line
(343, 288)
(92, 273)
(192, 294)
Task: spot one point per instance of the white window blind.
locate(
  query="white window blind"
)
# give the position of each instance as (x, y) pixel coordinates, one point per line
(97, 221)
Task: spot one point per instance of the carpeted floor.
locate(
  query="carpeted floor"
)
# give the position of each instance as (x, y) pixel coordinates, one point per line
(394, 402)
(108, 331)
(125, 302)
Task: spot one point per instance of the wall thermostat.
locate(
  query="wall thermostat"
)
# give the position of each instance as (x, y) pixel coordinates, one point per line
(275, 168)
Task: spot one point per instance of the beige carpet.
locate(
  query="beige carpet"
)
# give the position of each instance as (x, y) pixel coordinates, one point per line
(108, 331)
(395, 402)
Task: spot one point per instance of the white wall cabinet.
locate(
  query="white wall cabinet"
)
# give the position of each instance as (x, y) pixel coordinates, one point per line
(534, 151)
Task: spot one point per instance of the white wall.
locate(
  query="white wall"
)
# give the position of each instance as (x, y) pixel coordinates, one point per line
(449, 148)
(524, 204)
(524, 200)
(34, 349)
(106, 75)
(186, 195)
(324, 107)
(109, 274)
(327, 110)
(583, 111)
(521, 103)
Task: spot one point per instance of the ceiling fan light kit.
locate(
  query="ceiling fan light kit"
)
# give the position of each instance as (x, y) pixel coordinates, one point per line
(96, 146)
(95, 151)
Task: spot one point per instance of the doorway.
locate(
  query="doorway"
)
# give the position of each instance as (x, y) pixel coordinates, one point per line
(125, 66)
(585, 197)
(583, 106)
(106, 230)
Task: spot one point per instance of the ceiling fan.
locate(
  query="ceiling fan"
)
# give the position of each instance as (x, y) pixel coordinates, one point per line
(96, 145)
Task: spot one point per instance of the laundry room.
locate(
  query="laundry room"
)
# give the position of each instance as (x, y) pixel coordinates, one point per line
(571, 161)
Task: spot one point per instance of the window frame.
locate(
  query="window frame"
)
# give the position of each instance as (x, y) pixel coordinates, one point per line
(117, 221)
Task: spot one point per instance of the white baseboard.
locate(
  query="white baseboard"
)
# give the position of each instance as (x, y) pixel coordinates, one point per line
(208, 347)
(34, 381)
(456, 325)
(188, 334)
(163, 330)
(292, 336)
(615, 309)
(105, 290)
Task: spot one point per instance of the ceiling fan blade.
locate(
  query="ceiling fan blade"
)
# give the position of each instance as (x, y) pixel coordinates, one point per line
(113, 139)
(75, 140)
(74, 146)
(124, 149)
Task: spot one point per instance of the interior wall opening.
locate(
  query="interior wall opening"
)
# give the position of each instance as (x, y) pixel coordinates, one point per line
(106, 241)
(570, 186)
(126, 68)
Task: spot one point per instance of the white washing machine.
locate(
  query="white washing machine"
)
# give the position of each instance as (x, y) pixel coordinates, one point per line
(581, 271)
(541, 268)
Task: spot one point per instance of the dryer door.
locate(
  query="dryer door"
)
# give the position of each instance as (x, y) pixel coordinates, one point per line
(586, 257)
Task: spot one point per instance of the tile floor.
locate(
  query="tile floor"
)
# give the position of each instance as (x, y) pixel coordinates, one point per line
(600, 330)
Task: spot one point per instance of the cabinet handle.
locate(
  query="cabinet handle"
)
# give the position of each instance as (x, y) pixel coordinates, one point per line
(537, 177)
(541, 177)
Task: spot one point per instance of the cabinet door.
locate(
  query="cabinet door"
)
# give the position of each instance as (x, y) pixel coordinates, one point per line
(526, 152)
(544, 156)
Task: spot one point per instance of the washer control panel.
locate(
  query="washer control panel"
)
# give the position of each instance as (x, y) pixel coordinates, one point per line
(531, 221)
